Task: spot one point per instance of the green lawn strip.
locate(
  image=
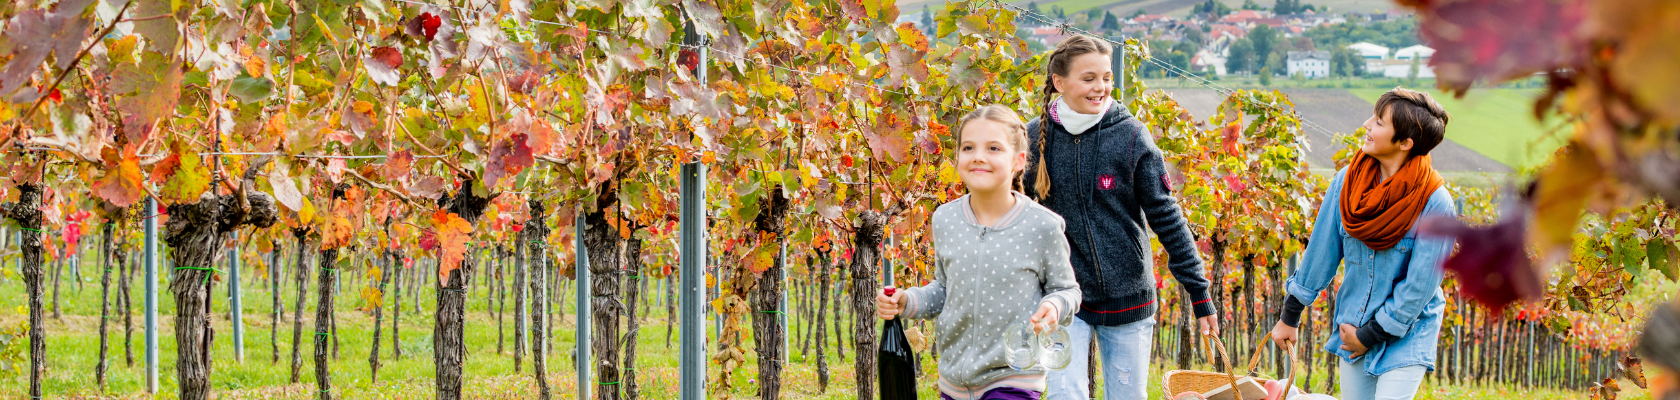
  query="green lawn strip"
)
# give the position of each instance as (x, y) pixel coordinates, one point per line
(1499, 123)
(73, 350)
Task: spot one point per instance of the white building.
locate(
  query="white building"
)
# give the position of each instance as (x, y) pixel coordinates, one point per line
(1370, 51)
(1206, 60)
(1311, 64)
(1419, 51)
(1375, 55)
(1402, 69)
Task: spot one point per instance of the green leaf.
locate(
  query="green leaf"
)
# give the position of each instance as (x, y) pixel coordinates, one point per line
(250, 90)
(1661, 254)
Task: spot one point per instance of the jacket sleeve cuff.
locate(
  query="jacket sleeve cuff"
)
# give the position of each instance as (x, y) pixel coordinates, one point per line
(1371, 334)
(1292, 308)
(1201, 304)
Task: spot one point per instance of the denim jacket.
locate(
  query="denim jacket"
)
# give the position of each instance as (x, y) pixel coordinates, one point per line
(1400, 287)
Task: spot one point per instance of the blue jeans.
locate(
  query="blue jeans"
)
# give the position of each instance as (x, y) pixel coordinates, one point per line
(1398, 384)
(1125, 362)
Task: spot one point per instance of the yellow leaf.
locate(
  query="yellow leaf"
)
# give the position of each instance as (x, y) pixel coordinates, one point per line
(307, 213)
(363, 107)
(255, 66)
(322, 25)
(1561, 192)
(948, 174)
(121, 50)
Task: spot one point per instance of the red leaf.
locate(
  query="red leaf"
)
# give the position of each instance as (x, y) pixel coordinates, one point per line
(1492, 262)
(388, 55)
(1235, 183)
(1498, 39)
(35, 33)
(689, 59)
(1231, 135)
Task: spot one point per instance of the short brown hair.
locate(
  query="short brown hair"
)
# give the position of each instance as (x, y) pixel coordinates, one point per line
(1416, 116)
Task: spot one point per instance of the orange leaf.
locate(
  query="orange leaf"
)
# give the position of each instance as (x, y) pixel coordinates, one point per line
(338, 232)
(452, 235)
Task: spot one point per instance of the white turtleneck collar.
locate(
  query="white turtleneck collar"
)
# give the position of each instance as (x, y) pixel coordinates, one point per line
(1075, 122)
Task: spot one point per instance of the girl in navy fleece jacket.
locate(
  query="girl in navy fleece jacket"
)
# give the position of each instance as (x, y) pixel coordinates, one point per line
(1098, 168)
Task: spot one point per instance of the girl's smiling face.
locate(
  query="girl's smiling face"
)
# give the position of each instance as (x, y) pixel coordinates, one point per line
(1379, 136)
(986, 160)
(1087, 84)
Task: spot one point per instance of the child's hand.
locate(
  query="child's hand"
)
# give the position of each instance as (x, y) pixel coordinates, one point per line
(1350, 341)
(1044, 320)
(888, 305)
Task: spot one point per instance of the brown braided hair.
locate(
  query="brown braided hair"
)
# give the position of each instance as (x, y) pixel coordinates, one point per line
(1059, 64)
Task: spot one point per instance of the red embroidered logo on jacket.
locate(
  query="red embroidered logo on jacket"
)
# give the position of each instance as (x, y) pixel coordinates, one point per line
(1105, 182)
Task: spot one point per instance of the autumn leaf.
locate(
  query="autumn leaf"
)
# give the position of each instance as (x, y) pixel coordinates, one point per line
(1561, 192)
(1497, 40)
(151, 89)
(338, 232)
(285, 190)
(1492, 262)
(888, 137)
(424, 25)
(35, 33)
(383, 65)
(121, 183)
(371, 295)
(1231, 137)
(398, 165)
(452, 235)
(1632, 369)
(182, 175)
(508, 157)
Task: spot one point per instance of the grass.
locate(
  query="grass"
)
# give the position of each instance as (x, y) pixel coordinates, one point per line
(1498, 123)
(72, 346)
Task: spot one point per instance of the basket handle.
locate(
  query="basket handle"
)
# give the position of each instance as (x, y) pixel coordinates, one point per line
(1294, 362)
(1222, 354)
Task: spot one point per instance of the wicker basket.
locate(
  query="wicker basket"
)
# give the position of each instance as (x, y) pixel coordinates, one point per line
(1179, 381)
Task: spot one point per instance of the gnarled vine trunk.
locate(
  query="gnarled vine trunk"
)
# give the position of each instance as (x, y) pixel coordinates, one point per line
(866, 281)
(125, 303)
(105, 250)
(274, 303)
(27, 212)
(326, 280)
(449, 322)
(823, 290)
(388, 260)
(301, 273)
(531, 238)
(518, 306)
(194, 233)
(766, 300)
(633, 293)
(397, 267)
(602, 241)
